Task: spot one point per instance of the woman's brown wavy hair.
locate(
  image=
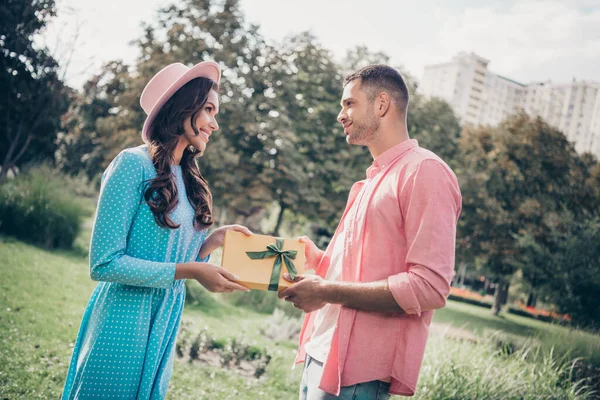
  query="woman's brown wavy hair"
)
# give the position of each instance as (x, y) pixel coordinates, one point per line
(165, 131)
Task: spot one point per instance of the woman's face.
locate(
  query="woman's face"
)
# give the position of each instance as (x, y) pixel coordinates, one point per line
(205, 124)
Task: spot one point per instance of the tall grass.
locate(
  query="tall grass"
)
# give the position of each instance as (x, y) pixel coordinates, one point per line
(455, 369)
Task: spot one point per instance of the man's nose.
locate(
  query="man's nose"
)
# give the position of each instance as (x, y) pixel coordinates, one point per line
(341, 117)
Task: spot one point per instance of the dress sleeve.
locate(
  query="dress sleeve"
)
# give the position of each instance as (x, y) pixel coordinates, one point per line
(205, 259)
(120, 196)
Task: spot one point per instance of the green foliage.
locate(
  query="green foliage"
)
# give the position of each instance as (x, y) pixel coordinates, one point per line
(33, 96)
(263, 301)
(570, 259)
(231, 353)
(517, 179)
(36, 207)
(198, 296)
(278, 128)
(258, 300)
(467, 300)
(433, 123)
(281, 327)
(82, 143)
(279, 143)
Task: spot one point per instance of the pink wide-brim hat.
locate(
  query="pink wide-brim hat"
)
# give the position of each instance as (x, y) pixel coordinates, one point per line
(168, 81)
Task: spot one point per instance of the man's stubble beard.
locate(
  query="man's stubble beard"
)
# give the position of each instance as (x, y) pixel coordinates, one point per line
(364, 133)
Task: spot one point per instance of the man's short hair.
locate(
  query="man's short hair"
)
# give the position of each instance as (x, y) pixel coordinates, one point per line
(377, 78)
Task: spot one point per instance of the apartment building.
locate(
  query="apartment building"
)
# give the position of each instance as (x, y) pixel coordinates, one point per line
(481, 97)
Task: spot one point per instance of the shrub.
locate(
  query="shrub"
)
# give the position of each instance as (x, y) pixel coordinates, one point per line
(282, 327)
(38, 207)
(197, 295)
(527, 314)
(467, 300)
(257, 300)
(263, 302)
(233, 353)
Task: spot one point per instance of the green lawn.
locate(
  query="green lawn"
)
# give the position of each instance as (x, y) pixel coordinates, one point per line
(43, 295)
(479, 320)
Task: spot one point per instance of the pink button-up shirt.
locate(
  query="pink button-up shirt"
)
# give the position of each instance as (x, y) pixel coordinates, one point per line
(403, 230)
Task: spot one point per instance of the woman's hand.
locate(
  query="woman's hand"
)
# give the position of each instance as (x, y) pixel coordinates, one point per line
(218, 235)
(217, 279)
(312, 253)
(217, 238)
(212, 277)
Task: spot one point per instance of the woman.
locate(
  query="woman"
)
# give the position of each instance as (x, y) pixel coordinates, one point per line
(149, 236)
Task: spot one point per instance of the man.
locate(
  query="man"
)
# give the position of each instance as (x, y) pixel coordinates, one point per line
(390, 261)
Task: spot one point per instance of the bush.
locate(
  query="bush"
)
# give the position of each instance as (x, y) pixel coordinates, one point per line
(232, 353)
(526, 314)
(263, 301)
(257, 300)
(282, 327)
(469, 301)
(197, 295)
(38, 207)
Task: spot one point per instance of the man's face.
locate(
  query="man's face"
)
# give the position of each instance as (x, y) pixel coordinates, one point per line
(358, 117)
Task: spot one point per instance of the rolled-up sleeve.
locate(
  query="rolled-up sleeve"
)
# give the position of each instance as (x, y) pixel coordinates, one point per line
(430, 200)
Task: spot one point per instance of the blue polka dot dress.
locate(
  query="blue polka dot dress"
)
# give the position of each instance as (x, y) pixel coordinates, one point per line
(126, 342)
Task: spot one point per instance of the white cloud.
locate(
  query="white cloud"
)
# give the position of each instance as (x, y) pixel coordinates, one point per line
(531, 40)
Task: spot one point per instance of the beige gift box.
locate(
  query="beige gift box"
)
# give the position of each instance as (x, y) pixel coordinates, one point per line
(257, 273)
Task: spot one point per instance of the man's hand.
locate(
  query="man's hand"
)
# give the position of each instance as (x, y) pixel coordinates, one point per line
(306, 293)
(312, 252)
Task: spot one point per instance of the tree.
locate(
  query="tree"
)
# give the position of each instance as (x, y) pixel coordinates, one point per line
(279, 105)
(279, 140)
(360, 56)
(433, 123)
(190, 32)
(33, 98)
(317, 166)
(82, 145)
(515, 179)
(570, 261)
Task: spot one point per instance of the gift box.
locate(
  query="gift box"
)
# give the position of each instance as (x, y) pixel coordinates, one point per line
(260, 261)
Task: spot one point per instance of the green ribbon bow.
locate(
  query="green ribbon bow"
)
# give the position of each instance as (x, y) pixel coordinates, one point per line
(276, 250)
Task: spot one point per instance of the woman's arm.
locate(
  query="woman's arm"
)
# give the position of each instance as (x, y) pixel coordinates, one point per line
(120, 196)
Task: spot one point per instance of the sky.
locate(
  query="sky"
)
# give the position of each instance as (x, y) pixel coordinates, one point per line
(527, 40)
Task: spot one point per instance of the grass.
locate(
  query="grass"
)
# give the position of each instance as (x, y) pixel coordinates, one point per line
(565, 341)
(42, 298)
(43, 295)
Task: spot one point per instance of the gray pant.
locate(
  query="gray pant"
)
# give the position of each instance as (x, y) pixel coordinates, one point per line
(309, 387)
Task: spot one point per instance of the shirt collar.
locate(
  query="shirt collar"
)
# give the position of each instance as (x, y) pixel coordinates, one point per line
(385, 158)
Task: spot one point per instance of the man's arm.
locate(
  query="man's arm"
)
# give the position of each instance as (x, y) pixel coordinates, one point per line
(432, 203)
(366, 296)
(311, 292)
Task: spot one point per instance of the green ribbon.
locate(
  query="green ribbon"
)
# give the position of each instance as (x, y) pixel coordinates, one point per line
(276, 250)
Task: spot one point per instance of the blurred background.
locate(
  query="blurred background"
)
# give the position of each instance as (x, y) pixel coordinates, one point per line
(507, 93)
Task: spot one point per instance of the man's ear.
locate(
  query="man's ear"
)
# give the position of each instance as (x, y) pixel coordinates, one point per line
(383, 104)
